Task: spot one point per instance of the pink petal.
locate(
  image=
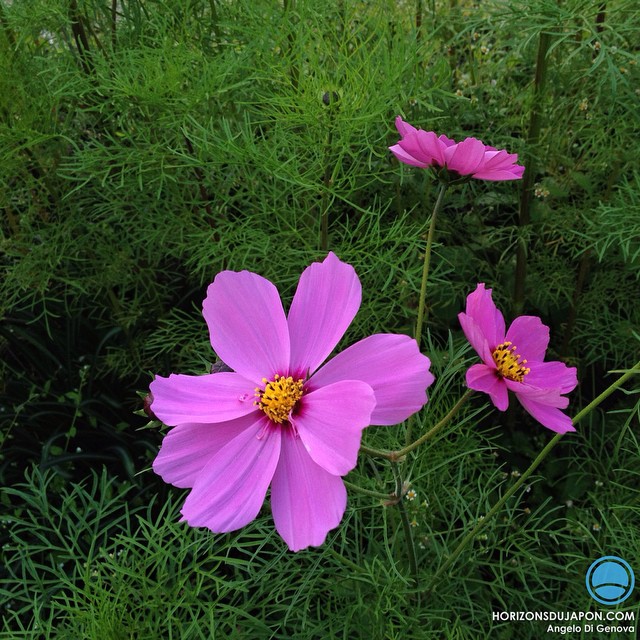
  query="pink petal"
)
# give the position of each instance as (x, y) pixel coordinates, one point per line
(392, 366)
(306, 501)
(247, 325)
(431, 146)
(499, 165)
(330, 421)
(404, 128)
(407, 158)
(215, 397)
(446, 142)
(548, 413)
(187, 448)
(495, 160)
(529, 336)
(475, 336)
(489, 322)
(230, 490)
(326, 301)
(497, 175)
(411, 147)
(543, 396)
(552, 375)
(480, 377)
(466, 156)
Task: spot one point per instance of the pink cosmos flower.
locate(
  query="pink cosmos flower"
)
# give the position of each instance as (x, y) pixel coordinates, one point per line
(514, 360)
(279, 418)
(467, 158)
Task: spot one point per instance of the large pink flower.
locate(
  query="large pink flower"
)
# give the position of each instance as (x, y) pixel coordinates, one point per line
(278, 419)
(467, 158)
(514, 360)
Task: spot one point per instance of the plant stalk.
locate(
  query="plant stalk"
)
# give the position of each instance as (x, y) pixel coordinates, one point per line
(526, 193)
(422, 312)
(394, 456)
(523, 478)
(406, 525)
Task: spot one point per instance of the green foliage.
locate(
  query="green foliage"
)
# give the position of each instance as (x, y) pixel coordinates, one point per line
(95, 560)
(147, 145)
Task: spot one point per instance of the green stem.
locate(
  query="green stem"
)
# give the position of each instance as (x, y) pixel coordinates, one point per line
(526, 192)
(376, 453)
(406, 525)
(400, 453)
(422, 314)
(607, 392)
(214, 19)
(372, 494)
(326, 184)
(523, 478)
(432, 432)
(81, 39)
(289, 7)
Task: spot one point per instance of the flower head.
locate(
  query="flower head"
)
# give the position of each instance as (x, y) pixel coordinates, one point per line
(514, 360)
(279, 419)
(469, 158)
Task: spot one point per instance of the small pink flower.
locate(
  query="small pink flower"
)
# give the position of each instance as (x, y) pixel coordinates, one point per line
(467, 158)
(278, 418)
(513, 360)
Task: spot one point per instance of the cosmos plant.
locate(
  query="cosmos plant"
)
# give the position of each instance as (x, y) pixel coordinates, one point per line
(469, 158)
(513, 360)
(280, 418)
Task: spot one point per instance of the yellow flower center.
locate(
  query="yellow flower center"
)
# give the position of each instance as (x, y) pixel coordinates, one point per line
(510, 364)
(279, 397)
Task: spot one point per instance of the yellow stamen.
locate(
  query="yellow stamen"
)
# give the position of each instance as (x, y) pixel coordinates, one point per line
(279, 397)
(510, 364)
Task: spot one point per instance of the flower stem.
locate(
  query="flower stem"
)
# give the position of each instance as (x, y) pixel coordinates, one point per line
(326, 185)
(422, 313)
(432, 432)
(526, 192)
(400, 453)
(406, 525)
(523, 478)
(607, 392)
(367, 492)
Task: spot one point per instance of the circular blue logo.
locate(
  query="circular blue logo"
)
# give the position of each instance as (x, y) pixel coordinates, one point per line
(610, 580)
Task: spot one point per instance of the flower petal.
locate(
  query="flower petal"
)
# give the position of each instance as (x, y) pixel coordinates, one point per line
(326, 301)
(552, 375)
(497, 175)
(481, 377)
(187, 448)
(247, 325)
(529, 336)
(488, 322)
(494, 159)
(408, 158)
(404, 128)
(547, 412)
(330, 421)
(420, 149)
(392, 366)
(306, 501)
(215, 397)
(466, 156)
(231, 488)
(499, 165)
(430, 146)
(475, 336)
(445, 142)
